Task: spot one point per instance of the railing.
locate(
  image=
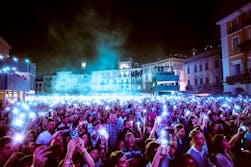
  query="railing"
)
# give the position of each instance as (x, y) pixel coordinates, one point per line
(234, 28)
(241, 78)
(166, 88)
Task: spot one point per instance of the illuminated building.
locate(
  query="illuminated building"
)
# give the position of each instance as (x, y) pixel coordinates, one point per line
(176, 65)
(236, 44)
(127, 78)
(17, 77)
(64, 82)
(204, 72)
(165, 81)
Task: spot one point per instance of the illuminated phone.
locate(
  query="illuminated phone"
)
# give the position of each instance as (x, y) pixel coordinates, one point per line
(74, 133)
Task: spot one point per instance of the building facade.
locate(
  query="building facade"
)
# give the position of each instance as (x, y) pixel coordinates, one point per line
(204, 72)
(236, 45)
(127, 78)
(150, 70)
(17, 77)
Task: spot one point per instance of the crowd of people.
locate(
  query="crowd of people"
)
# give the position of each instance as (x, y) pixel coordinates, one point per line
(180, 131)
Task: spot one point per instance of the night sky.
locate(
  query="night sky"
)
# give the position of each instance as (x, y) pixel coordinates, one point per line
(57, 34)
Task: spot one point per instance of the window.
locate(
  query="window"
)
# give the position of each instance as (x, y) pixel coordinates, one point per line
(207, 80)
(201, 81)
(234, 23)
(188, 82)
(206, 66)
(237, 69)
(235, 43)
(200, 67)
(195, 68)
(188, 70)
(196, 82)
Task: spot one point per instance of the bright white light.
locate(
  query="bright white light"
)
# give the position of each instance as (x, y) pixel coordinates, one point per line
(22, 115)
(104, 133)
(32, 115)
(18, 122)
(15, 111)
(25, 106)
(164, 142)
(27, 60)
(18, 138)
(15, 59)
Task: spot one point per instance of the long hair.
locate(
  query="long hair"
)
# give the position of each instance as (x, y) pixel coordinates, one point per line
(217, 143)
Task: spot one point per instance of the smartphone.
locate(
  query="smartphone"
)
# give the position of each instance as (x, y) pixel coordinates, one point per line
(165, 150)
(74, 133)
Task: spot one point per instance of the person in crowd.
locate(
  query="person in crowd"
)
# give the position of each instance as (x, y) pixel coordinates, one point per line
(95, 136)
(150, 152)
(76, 146)
(113, 130)
(181, 140)
(64, 124)
(186, 160)
(132, 152)
(44, 137)
(118, 159)
(220, 148)
(196, 150)
(95, 154)
(8, 152)
(131, 126)
(87, 140)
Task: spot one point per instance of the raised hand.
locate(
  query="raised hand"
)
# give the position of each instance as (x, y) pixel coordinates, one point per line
(40, 156)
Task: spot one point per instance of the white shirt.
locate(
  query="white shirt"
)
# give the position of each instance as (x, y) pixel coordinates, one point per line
(43, 138)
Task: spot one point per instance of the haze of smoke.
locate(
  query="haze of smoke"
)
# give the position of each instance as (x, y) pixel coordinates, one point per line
(90, 37)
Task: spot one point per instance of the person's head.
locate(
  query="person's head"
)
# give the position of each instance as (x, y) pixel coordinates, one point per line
(50, 125)
(193, 119)
(6, 147)
(186, 160)
(197, 138)
(113, 118)
(219, 143)
(118, 159)
(31, 146)
(57, 147)
(26, 161)
(128, 124)
(129, 139)
(86, 138)
(65, 119)
(120, 144)
(180, 131)
(31, 135)
(95, 153)
(151, 149)
(214, 127)
(96, 125)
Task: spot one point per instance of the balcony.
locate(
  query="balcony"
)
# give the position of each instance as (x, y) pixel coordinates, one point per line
(241, 78)
(245, 46)
(234, 28)
(166, 76)
(247, 21)
(166, 88)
